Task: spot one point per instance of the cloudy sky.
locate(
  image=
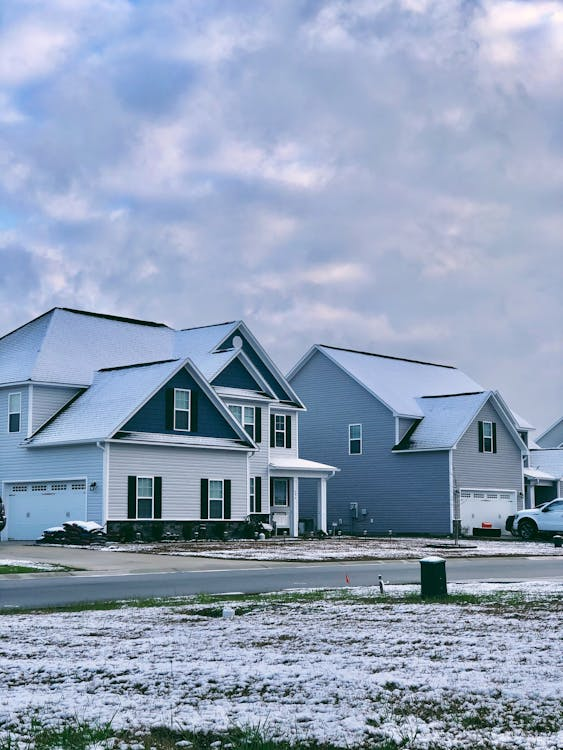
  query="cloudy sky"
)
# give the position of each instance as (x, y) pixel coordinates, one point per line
(378, 174)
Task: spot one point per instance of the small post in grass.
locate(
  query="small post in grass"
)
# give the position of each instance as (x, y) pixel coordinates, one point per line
(433, 584)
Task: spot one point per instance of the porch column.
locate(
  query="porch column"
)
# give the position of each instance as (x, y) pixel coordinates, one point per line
(321, 505)
(532, 495)
(294, 531)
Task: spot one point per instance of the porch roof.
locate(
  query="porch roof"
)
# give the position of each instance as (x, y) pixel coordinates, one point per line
(532, 473)
(300, 466)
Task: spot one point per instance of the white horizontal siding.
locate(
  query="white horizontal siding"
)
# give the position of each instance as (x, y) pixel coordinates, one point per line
(181, 471)
(294, 450)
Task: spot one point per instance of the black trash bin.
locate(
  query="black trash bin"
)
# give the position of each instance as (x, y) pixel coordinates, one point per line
(433, 584)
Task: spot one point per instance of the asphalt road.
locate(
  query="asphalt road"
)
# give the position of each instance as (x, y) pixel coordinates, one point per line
(55, 590)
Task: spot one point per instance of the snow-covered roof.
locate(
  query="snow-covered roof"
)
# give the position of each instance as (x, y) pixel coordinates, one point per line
(292, 463)
(549, 460)
(113, 396)
(194, 441)
(537, 474)
(70, 346)
(398, 383)
(242, 393)
(445, 420)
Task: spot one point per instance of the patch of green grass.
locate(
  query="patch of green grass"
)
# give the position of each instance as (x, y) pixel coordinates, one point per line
(68, 735)
(7, 569)
(79, 735)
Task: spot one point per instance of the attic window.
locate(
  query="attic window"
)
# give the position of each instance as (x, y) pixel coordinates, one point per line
(182, 400)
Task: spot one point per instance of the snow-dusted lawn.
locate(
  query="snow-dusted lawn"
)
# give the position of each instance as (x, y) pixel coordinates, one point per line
(345, 548)
(340, 669)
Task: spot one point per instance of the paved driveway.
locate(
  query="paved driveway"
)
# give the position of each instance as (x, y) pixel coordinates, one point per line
(96, 561)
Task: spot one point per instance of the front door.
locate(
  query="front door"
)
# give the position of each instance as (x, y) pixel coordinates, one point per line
(279, 502)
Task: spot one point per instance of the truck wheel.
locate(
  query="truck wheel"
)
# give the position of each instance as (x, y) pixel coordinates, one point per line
(527, 529)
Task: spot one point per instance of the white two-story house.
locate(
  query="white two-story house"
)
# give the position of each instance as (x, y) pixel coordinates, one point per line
(147, 429)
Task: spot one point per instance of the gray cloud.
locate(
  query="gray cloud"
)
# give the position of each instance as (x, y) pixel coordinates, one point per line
(383, 175)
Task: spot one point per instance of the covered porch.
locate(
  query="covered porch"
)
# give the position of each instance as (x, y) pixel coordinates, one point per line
(540, 487)
(285, 473)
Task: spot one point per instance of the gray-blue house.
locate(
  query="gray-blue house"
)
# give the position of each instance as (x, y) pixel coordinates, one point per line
(419, 445)
(136, 425)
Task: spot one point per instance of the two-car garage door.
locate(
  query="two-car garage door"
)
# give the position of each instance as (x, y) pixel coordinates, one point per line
(483, 509)
(32, 507)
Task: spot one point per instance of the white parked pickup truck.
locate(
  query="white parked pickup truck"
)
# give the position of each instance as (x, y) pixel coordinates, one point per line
(547, 519)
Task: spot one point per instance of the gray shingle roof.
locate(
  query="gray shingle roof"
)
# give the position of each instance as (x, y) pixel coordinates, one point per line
(113, 396)
(69, 346)
(549, 460)
(445, 420)
(400, 382)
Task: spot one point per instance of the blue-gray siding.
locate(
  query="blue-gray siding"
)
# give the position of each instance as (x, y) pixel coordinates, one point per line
(152, 416)
(46, 401)
(235, 375)
(402, 492)
(553, 438)
(500, 470)
(259, 364)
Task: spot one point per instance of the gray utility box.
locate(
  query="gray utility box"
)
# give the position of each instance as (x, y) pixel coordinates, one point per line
(433, 584)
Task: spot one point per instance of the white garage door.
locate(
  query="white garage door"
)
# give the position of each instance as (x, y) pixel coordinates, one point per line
(479, 508)
(32, 507)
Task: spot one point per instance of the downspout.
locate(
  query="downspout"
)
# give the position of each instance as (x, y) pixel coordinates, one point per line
(105, 481)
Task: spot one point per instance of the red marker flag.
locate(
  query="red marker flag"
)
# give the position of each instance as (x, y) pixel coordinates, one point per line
(347, 579)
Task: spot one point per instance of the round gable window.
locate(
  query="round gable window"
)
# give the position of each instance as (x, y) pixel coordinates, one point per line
(237, 342)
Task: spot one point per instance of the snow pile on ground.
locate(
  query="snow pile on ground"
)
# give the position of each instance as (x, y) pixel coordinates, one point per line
(344, 548)
(342, 670)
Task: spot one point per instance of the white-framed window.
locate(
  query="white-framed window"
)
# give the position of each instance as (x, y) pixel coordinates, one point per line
(355, 439)
(182, 400)
(252, 495)
(280, 492)
(145, 497)
(216, 498)
(246, 416)
(280, 430)
(487, 437)
(14, 412)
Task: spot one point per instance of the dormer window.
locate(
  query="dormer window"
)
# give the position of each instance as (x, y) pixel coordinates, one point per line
(182, 399)
(14, 412)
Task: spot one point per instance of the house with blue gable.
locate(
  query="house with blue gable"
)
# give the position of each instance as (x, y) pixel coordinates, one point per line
(147, 429)
(421, 447)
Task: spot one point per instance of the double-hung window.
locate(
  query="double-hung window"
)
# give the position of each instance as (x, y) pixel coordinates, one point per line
(487, 437)
(14, 412)
(354, 439)
(145, 497)
(246, 416)
(216, 498)
(279, 430)
(182, 398)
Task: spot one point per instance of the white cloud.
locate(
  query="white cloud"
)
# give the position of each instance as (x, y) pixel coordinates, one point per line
(31, 51)
(381, 175)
